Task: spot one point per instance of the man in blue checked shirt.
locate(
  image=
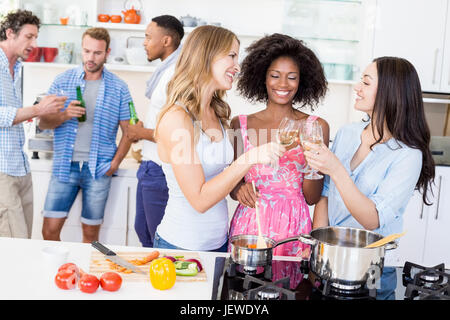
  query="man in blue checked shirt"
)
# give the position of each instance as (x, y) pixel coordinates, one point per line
(18, 34)
(85, 153)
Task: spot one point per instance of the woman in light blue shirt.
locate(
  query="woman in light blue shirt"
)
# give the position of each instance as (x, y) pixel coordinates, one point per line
(374, 167)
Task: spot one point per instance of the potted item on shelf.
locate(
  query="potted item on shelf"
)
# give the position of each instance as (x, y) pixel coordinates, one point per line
(131, 16)
(136, 56)
(64, 20)
(188, 21)
(35, 55)
(48, 14)
(116, 18)
(103, 18)
(49, 54)
(65, 50)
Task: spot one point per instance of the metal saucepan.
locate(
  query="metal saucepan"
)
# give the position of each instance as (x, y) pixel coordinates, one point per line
(258, 257)
(338, 254)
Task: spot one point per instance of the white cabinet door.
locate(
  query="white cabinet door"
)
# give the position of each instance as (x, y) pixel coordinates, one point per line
(412, 244)
(437, 249)
(445, 78)
(413, 30)
(115, 224)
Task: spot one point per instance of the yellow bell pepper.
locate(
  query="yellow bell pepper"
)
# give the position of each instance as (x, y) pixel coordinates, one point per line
(162, 273)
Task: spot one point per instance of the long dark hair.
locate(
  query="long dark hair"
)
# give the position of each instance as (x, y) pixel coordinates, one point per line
(399, 103)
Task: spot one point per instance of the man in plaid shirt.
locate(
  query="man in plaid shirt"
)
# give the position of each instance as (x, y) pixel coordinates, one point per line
(18, 34)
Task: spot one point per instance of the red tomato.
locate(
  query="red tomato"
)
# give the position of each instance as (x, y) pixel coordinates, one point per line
(110, 281)
(69, 267)
(66, 279)
(88, 283)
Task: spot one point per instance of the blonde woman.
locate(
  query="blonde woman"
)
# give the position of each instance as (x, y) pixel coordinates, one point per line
(193, 145)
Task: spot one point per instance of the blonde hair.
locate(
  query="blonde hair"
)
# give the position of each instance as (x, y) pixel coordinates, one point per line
(193, 71)
(98, 34)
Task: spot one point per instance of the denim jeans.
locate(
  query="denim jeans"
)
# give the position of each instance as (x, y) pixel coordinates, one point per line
(151, 200)
(163, 244)
(61, 195)
(388, 283)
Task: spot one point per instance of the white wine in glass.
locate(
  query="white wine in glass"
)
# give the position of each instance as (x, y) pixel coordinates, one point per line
(310, 132)
(286, 134)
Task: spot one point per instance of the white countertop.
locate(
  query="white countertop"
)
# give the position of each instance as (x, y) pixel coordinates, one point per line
(127, 168)
(25, 275)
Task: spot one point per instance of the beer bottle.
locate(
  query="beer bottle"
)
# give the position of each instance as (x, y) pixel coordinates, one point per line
(133, 116)
(82, 104)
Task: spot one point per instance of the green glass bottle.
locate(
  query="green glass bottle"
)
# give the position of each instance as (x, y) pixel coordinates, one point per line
(133, 116)
(82, 104)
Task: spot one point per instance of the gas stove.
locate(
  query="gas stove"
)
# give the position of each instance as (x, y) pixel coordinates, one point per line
(426, 283)
(236, 282)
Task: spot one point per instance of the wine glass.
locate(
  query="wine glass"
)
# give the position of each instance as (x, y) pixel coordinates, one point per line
(311, 132)
(286, 135)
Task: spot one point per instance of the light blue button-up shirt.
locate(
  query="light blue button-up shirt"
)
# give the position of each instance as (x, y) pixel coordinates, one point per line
(13, 160)
(111, 107)
(387, 176)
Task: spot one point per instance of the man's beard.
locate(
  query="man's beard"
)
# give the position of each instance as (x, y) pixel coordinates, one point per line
(96, 67)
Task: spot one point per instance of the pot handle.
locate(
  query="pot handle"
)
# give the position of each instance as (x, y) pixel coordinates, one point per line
(390, 245)
(306, 238)
(286, 240)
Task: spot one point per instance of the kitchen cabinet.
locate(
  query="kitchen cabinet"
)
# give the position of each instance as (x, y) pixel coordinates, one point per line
(118, 224)
(420, 32)
(427, 239)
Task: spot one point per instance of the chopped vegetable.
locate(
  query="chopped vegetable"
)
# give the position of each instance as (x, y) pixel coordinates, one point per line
(139, 262)
(199, 265)
(252, 246)
(185, 268)
(170, 258)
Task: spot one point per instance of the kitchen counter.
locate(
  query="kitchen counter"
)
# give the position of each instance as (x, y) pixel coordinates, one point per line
(25, 275)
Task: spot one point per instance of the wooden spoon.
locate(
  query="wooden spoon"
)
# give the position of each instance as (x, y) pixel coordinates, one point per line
(385, 240)
(260, 242)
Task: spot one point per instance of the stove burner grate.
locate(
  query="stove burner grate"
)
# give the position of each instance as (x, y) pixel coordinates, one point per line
(268, 290)
(426, 283)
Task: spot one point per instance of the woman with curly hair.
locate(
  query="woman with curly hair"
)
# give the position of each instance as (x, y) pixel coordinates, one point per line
(193, 146)
(279, 71)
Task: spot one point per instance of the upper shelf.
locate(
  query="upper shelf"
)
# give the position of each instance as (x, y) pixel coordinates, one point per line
(133, 68)
(109, 66)
(121, 26)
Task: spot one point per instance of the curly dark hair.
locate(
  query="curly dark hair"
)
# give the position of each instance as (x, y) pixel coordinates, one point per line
(313, 84)
(16, 20)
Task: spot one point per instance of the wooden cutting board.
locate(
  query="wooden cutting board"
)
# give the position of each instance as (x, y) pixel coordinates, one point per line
(99, 265)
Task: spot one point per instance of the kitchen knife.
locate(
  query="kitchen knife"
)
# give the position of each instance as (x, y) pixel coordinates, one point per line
(111, 255)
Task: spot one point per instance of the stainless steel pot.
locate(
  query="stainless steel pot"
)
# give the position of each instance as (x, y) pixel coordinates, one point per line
(243, 255)
(338, 254)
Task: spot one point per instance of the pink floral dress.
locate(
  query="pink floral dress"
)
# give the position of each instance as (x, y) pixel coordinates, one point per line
(282, 207)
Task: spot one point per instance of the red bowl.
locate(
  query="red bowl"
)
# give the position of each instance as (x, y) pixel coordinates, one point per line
(35, 55)
(50, 54)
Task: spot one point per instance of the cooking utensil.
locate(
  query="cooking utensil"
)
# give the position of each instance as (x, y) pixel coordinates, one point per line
(111, 255)
(260, 243)
(254, 257)
(385, 240)
(338, 254)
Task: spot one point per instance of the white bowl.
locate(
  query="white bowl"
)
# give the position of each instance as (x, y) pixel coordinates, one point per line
(54, 257)
(136, 56)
